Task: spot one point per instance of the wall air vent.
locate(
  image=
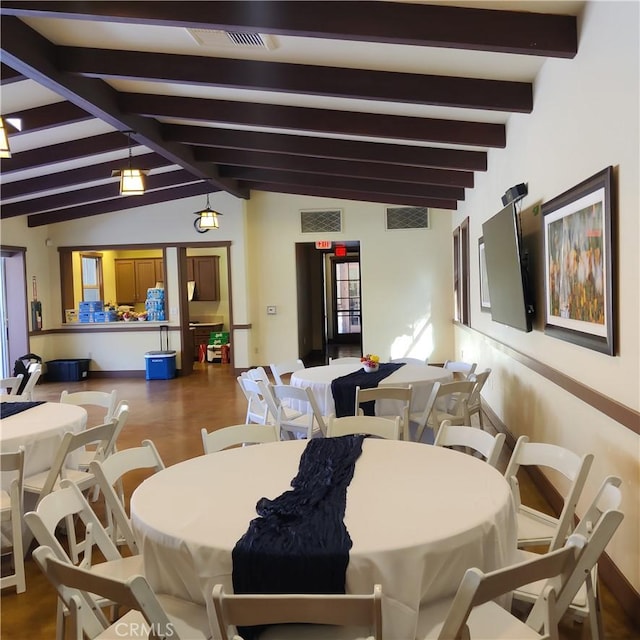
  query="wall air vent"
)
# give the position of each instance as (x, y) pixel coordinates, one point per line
(321, 221)
(406, 218)
(244, 39)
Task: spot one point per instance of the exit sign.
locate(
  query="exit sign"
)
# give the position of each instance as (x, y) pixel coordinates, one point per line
(323, 244)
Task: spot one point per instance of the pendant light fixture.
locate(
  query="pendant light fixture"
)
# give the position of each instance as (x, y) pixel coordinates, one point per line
(207, 218)
(132, 181)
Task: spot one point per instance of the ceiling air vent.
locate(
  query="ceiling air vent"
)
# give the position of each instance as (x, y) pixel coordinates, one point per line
(407, 218)
(244, 39)
(320, 221)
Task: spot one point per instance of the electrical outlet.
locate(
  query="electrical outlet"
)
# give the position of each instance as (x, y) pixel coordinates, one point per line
(271, 310)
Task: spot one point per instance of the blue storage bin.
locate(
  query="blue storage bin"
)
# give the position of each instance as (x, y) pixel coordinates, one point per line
(91, 306)
(160, 365)
(105, 316)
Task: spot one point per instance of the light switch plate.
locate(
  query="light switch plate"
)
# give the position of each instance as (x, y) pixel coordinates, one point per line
(271, 310)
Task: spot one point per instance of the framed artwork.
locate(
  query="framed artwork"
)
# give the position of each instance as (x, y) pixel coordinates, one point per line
(578, 264)
(485, 301)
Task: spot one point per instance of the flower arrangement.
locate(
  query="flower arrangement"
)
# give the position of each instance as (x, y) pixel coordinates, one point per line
(370, 362)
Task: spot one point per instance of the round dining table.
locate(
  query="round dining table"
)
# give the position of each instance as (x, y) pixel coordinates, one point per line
(39, 429)
(418, 516)
(420, 376)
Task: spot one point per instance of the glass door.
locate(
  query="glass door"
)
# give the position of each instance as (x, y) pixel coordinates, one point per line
(346, 285)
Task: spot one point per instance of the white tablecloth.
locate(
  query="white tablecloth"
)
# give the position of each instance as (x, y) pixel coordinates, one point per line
(418, 515)
(40, 430)
(421, 377)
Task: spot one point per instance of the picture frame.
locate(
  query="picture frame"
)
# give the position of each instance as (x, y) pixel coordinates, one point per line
(485, 300)
(579, 264)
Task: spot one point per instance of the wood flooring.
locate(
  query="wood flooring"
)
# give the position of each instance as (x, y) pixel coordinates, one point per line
(171, 413)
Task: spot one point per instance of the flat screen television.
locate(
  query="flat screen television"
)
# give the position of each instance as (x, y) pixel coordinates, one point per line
(507, 277)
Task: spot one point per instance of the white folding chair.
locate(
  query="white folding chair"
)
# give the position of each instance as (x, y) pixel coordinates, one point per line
(108, 400)
(238, 434)
(345, 360)
(298, 413)
(280, 369)
(388, 428)
(474, 406)
(10, 386)
(35, 371)
(465, 369)
(465, 436)
(400, 396)
(149, 615)
(43, 483)
(295, 612)
(69, 505)
(109, 474)
(11, 506)
(447, 401)
(536, 528)
(120, 416)
(598, 525)
(256, 374)
(472, 614)
(257, 408)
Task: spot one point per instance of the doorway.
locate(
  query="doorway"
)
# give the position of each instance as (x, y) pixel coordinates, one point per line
(328, 302)
(13, 307)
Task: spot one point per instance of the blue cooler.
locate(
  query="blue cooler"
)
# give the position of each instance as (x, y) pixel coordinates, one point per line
(161, 365)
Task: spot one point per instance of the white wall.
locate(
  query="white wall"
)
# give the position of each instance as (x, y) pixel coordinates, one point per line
(406, 278)
(585, 118)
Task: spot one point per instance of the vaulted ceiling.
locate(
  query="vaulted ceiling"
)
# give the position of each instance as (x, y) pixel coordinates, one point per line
(396, 102)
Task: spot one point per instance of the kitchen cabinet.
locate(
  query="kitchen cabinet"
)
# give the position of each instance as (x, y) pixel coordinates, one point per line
(205, 272)
(134, 276)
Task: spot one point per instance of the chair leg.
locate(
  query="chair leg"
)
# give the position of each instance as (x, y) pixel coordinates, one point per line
(595, 616)
(18, 554)
(60, 620)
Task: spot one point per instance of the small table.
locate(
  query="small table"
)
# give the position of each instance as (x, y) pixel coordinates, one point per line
(39, 430)
(418, 515)
(420, 377)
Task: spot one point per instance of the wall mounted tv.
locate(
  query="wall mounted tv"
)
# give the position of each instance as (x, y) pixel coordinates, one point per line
(507, 276)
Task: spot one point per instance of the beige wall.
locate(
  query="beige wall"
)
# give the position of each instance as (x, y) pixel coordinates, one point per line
(585, 118)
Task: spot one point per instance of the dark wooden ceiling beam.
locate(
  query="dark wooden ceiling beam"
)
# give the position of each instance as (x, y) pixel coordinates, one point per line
(325, 148)
(382, 171)
(411, 88)
(72, 150)
(29, 53)
(319, 192)
(73, 177)
(319, 120)
(120, 204)
(337, 183)
(411, 24)
(56, 114)
(91, 195)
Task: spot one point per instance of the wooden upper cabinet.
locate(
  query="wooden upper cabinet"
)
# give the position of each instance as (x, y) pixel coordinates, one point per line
(204, 270)
(134, 276)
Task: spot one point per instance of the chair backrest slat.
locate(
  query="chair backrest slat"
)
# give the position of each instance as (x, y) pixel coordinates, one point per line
(326, 609)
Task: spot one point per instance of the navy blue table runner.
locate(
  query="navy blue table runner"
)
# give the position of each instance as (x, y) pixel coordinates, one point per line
(300, 544)
(344, 388)
(8, 409)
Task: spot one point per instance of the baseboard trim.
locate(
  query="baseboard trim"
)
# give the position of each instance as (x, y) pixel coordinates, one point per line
(141, 373)
(623, 591)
